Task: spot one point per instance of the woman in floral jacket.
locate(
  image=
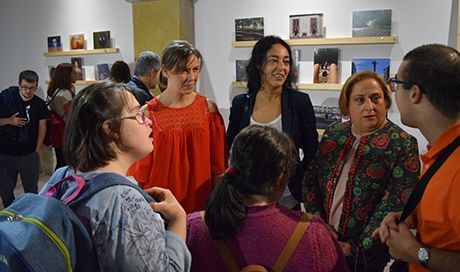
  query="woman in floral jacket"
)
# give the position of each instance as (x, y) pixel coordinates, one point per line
(365, 168)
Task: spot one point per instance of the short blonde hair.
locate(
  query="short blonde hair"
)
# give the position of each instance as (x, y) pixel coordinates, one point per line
(345, 93)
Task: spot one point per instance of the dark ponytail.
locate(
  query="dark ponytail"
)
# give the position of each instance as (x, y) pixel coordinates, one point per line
(259, 156)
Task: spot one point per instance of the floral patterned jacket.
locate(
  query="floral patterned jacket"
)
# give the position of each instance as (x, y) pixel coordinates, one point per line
(384, 171)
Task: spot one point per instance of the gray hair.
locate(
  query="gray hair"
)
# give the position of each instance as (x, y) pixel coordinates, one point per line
(146, 61)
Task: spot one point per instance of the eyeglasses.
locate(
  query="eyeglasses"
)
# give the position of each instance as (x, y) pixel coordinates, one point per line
(140, 117)
(393, 83)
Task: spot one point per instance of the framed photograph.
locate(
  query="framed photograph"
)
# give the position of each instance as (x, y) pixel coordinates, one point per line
(77, 41)
(241, 70)
(77, 64)
(101, 39)
(369, 23)
(249, 29)
(306, 26)
(380, 66)
(325, 69)
(103, 71)
(54, 44)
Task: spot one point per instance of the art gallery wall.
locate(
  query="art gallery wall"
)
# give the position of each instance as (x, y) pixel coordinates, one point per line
(25, 26)
(414, 22)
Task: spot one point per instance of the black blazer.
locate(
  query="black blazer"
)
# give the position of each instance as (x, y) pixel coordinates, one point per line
(298, 121)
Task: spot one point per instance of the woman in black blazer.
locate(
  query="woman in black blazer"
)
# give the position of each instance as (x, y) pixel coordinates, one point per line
(272, 101)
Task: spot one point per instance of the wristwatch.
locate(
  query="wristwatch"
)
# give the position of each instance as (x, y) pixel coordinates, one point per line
(423, 256)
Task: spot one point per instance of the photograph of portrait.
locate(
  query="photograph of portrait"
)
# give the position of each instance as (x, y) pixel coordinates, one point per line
(369, 23)
(54, 44)
(103, 71)
(325, 69)
(306, 26)
(380, 66)
(77, 41)
(101, 39)
(249, 29)
(241, 70)
(77, 64)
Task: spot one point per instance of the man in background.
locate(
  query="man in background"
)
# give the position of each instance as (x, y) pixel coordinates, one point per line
(22, 130)
(145, 76)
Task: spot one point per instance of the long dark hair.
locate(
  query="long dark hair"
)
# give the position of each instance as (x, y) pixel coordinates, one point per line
(257, 61)
(259, 155)
(61, 78)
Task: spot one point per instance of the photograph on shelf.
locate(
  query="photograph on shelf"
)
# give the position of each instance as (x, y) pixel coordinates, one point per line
(326, 115)
(325, 68)
(249, 29)
(77, 64)
(295, 65)
(306, 26)
(380, 66)
(101, 39)
(51, 69)
(77, 41)
(54, 44)
(103, 71)
(241, 70)
(88, 71)
(370, 23)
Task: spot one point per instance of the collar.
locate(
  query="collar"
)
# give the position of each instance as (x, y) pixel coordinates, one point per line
(447, 137)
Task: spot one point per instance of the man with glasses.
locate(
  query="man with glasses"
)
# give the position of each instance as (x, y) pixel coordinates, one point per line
(22, 130)
(427, 90)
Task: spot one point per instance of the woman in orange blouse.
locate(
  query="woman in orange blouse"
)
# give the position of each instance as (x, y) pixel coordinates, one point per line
(188, 133)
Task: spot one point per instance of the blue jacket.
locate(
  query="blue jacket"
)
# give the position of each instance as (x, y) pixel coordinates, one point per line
(141, 92)
(298, 121)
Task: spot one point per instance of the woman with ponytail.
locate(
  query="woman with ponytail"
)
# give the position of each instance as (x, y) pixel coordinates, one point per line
(244, 217)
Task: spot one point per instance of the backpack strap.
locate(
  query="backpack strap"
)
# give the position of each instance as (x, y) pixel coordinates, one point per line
(417, 194)
(224, 251)
(283, 258)
(291, 245)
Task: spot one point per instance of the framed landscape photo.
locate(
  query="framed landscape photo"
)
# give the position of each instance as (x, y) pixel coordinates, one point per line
(306, 26)
(77, 41)
(380, 66)
(101, 39)
(54, 44)
(249, 29)
(370, 23)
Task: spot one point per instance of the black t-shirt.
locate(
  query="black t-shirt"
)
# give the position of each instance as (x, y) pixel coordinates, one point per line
(15, 141)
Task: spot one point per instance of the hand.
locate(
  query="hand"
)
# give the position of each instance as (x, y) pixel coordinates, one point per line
(166, 204)
(346, 248)
(14, 120)
(388, 223)
(402, 243)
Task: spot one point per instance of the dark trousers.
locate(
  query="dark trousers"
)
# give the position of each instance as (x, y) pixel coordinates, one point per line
(28, 166)
(60, 162)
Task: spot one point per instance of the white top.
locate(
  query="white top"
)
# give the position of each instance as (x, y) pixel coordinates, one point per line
(276, 123)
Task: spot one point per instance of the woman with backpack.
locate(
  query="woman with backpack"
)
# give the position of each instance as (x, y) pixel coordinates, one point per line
(245, 225)
(106, 133)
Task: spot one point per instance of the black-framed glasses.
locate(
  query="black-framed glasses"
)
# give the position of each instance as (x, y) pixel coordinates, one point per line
(393, 83)
(140, 117)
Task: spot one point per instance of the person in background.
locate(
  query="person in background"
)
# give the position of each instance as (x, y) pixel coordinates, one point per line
(119, 72)
(243, 212)
(60, 94)
(365, 168)
(188, 132)
(272, 101)
(145, 76)
(427, 94)
(107, 132)
(22, 130)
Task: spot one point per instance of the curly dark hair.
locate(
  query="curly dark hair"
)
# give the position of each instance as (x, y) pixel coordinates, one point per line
(257, 61)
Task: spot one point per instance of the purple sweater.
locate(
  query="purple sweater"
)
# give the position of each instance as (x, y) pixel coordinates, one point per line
(261, 240)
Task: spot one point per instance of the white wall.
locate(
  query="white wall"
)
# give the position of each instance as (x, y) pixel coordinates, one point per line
(26, 24)
(415, 22)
